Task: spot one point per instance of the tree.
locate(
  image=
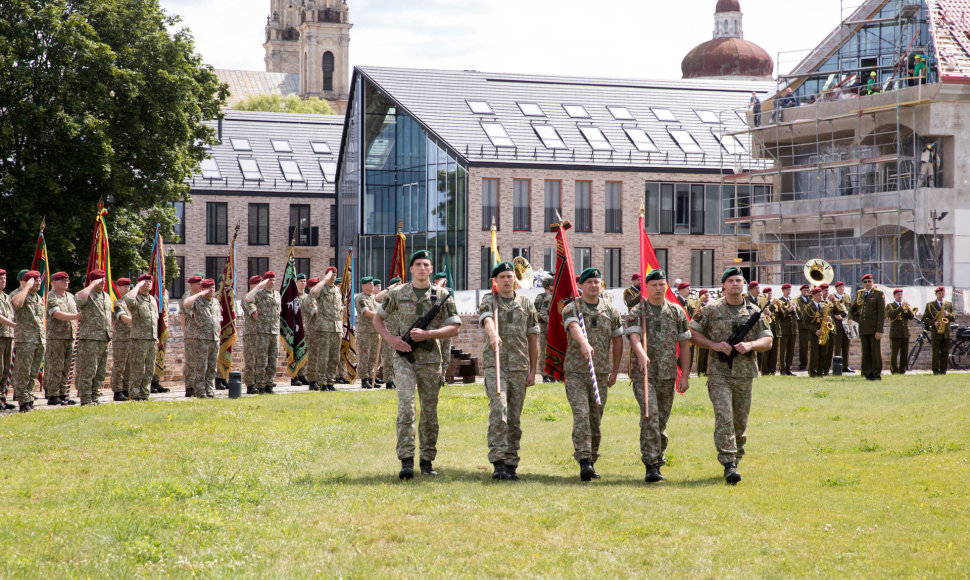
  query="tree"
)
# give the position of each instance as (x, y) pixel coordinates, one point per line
(288, 104)
(99, 100)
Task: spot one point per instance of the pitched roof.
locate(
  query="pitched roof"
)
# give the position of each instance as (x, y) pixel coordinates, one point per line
(250, 83)
(440, 100)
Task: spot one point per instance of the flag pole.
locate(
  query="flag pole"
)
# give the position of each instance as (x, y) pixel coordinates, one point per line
(495, 301)
(643, 323)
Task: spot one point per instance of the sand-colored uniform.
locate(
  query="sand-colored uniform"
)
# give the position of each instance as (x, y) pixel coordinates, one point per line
(329, 307)
(143, 309)
(6, 341)
(94, 334)
(367, 336)
(60, 345)
(30, 338)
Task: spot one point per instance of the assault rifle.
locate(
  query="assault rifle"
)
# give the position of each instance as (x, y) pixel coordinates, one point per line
(421, 323)
(737, 337)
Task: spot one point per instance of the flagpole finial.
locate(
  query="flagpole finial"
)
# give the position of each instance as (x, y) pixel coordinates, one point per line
(642, 209)
(400, 226)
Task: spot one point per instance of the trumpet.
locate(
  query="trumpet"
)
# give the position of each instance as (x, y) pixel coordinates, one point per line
(911, 308)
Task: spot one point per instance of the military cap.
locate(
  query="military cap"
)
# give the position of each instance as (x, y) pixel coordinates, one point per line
(702, 292)
(823, 286)
(329, 269)
(867, 277)
(785, 285)
(732, 271)
(804, 287)
(419, 255)
(440, 275)
(940, 289)
(301, 276)
(94, 275)
(655, 274)
(269, 274)
(393, 280)
(377, 281)
(123, 282)
(208, 283)
(312, 282)
(683, 285)
(195, 279)
(3, 272)
(898, 291)
(816, 291)
(366, 280)
(635, 277)
(590, 273)
(31, 274)
(767, 290)
(338, 280)
(839, 283)
(20, 275)
(499, 268)
(144, 277)
(60, 276)
(753, 284)
(253, 280)
(547, 282)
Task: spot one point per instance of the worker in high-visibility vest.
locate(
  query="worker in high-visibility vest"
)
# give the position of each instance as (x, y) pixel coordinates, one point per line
(873, 87)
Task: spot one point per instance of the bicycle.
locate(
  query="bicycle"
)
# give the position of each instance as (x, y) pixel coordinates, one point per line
(918, 347)
(959, 348)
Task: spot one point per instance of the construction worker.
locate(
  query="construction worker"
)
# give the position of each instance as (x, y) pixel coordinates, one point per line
(872, 87)
(919, 70)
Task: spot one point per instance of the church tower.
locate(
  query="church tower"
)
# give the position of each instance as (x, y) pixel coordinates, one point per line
(282, 37)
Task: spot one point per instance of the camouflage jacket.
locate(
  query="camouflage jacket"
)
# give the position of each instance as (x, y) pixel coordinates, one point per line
(517, 318)
(6, 310)
(95, 316)
(268, 311)
(60, 329)
(930, 312)
(364, 302)
(120, 330)
(144, 316)
(542, 304)
(899, 318)
(401, 308)
(30, 321)
(249, 324)
(665, 328)
(308, 311)
(716, 322)
(329, 306)
(602, 324)
(869, 311)
(202, 319)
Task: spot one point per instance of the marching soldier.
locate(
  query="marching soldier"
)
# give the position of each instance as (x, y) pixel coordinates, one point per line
(542, 303)
(940, 332)
(377, 338)
(683, 296)
(769, 358)
(729, 387)
(267, 302)
(308, 315)
(143, 309)
(387, 351)
(202, 317)
(61, 317)
(401, 308)
(788, 328)
(815, 316)
(329, 305)
(30, 337)
(94, 333)
(842, 343)
(441, 281)
(899, 315)
(339, 368)
(805, 335)
(516, 339)
(869, 310)
(120, 333)
(366, 308)
(250, 339)
(7, 326)
(604, 335)
(631, 296)
(666, 327)
(703, 297)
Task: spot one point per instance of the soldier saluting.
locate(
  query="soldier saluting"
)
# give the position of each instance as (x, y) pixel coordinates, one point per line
(403, 321)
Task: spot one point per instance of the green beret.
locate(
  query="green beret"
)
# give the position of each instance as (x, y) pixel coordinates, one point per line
(547, 282)
(301, 276)
(376, 280)
(589, 273)
(394, 280)
(20, 275)
(502, 267)
(440, 275)
(420, 254)
(655, 274)
(366, 280)
(338, 280)
(732, 271)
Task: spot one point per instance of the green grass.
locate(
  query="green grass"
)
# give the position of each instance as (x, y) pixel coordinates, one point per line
(843, 478)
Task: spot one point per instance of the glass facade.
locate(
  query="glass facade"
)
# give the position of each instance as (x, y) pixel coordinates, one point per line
(698, 209)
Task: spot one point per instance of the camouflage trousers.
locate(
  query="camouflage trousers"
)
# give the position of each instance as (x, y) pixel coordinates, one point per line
(653, 429)
(121, 365)
(309, 370)
(329, 356)
(141, 355)
(423, 379)
(57, 365)
(388, 354)
(267, 356)
(504, 413)
(92, 366)
(366, 354)
(731, 398)
(587, 415)
(6, 353)
(200, 368)
(250, 342)
(542, 351)
(25, 369)
(445, 345)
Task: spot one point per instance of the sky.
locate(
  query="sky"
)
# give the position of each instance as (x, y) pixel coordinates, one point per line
(645, 39)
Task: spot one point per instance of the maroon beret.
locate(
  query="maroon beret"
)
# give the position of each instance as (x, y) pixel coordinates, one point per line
(804, 287)
(635, 277)
(144, 277)
(208, 283)
(683, 285)
(95, 275)
(867, 277)
(785, 285)
(60, 276)
(330, 269)
(31, 274)
(255, 280)
(940, 289)
(898, 291)
(3, 272)
(312, 282)
(768, 290)
(122, 282)
(702, 292)
(823, 286)
(839, 283)
(817, 290)
(194, 279)
(753, 284)
(269, 274)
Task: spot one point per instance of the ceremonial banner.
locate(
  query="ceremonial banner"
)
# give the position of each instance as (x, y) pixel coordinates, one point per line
(648, 263)
(449, 280)
(227, 302)
(398, 259)
(348, 340)
(100, 256)
(157, 269)
(41, 264)
(291, 321)
(564, 289)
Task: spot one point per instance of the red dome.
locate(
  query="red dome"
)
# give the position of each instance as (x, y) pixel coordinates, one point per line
(727, 6)
(727, 57)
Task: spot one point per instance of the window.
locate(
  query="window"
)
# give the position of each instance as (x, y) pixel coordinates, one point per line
(328, 68)
(712, 202)
(621, 113)
(215, 267)
(302, 266)
(240, 144)
(685, 141)
(256, 267)
(216, 222)
(521, 205)
(480, 107)
(490, 203)
(576, 111)
(707, 116)
(665, 115)
(596, 139)
(552, 201)
(682, 208)
(177, 287)
(329, 169)
(250, 169)
(584, 209)
(281, 145)
(651, 205)
(300, 224)
(321, 147)
(697, 209)
(582, 259)
(614, 207)
(259, 224)
(641, 140)
(661, 258)
(333, 225)
(549, 260)
(178, 229)
(730, 143)
(210, 169)
(486, 266)
(522, 253)
(531, 110)
(702, 268)
(666, 208)
(291, 170)
(549, 136)
(613, 268)
(497, 135)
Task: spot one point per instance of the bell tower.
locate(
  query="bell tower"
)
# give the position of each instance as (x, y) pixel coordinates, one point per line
(282, 37)
(324, 49)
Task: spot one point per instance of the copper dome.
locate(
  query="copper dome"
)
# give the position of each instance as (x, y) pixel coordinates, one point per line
(727, 6)
(727, 57)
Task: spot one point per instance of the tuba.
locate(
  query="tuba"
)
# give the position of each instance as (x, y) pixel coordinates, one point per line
(817, 271)
(524, 276)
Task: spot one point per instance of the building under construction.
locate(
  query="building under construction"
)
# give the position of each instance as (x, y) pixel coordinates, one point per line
(865, 149)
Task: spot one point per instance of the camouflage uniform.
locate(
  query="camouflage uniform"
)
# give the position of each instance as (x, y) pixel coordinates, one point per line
(30, 337)
(366, 336)
(143, 339)
(602, 324)
(6, 341)
(329, 306)
(401, 308)
(387, 354)
(729, 387)
(542, 303)
(160, 351)
(250, 344)
(94, 333)
(517, 320)
(268, 336)
(666, 326)
(120, 346)
(60, 345)
(311, 335)
(202, 319)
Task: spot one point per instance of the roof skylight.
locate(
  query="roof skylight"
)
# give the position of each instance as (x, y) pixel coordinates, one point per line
(730, 143)
(531, 109)
(665, 115)
(549, 136)
(250, 169)
(291, 170)
(480, 107)
(240, 144)
(621, 113)
(707, 116)
(597, 140)
(685, 141)
(497, 134)
(281, 145)
(641, 140)
(576, 111)
(321, 147)
(210, 169)
(329, 169)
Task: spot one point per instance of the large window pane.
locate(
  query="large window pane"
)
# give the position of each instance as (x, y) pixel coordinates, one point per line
(552, 202)
(522, 205)
(177, 287)
(614, 208)
(584, 210)
(259, 224)
(216, 222)
(300, 224)
(712, 216)
(666, 208)
(178, 230)
(652, 208)
(582, 259)
(490, 212)
(702, 268)
(697, 209)
(613, 268)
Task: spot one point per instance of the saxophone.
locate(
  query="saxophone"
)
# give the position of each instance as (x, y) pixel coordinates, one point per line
(827, 326)
(941, 320)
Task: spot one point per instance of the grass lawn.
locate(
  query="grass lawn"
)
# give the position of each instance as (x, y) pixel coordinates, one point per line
(843, 478)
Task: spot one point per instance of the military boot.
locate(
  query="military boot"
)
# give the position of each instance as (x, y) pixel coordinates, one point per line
(189, 392)
(268, 389)
(295, 382)
(653, 474)
(157, 386)
(500, 470)
(55, 400)
(26, 407)
(596, 474)
(426, 468)
(510, 472)
(331, 388)
(377, 381)
(314, 386)
(120, 397)
(221, 384)
(586, 470)
(365, 383)
(407, 468)
(67, 400)
(251, 390)
(731, 474)
(390, 385)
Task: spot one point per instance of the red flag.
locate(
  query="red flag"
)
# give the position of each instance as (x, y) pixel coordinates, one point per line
(100, 256)
(227, 303)
(399, 261)
(649, 262)
(564, 290)
(157, 269)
